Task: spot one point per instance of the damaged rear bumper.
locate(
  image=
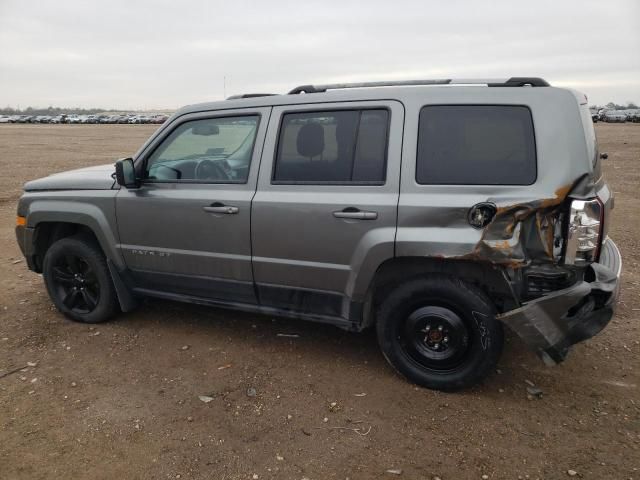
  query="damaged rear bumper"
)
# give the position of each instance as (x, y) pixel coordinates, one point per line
(551, 324)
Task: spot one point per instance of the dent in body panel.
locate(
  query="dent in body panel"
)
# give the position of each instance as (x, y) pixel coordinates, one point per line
(551, 324)
(531, 232)
(558, 319)
(524, 232)
(518, 234)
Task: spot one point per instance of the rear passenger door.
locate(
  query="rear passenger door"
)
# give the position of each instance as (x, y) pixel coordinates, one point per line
(324, 214)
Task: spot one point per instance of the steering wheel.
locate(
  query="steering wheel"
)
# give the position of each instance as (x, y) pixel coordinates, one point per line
(210, 170)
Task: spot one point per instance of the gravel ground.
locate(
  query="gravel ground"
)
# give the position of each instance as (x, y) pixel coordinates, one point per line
(121, 400)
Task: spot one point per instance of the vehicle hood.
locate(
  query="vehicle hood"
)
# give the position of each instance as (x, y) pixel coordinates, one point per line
(90, 178)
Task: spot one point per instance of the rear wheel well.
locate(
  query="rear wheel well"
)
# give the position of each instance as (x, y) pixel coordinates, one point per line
(47, 233)
(489, 278)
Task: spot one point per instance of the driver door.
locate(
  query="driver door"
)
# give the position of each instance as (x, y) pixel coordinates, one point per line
(186, 230)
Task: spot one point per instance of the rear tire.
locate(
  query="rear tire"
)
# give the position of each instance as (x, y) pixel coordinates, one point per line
(78, 280)
(440, 332)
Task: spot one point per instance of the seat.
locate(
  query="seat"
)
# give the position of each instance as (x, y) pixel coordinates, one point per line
(310, 140)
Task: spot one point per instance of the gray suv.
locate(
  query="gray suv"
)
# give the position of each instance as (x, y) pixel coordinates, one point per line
(435, 211)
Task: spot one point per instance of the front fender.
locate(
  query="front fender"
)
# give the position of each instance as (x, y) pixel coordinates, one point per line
(96, 213)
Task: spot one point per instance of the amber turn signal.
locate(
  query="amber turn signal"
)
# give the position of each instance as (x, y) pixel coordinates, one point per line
(21, 221)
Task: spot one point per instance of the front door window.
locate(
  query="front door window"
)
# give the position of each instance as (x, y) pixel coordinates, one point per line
(213, 150)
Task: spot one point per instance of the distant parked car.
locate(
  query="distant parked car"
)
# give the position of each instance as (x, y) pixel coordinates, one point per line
(5, 119)
(56, 119)
(139, 119)
(594, 117)
(615, 116)
(159, 118)
(633, 115)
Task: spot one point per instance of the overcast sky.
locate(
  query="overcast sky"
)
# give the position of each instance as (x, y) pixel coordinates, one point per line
(165, 54)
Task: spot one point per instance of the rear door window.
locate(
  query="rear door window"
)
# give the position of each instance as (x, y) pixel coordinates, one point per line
(476, 145)
(329, 147)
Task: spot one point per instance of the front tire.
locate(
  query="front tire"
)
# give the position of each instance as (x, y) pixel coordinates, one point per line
(78, 280)
(440, 332)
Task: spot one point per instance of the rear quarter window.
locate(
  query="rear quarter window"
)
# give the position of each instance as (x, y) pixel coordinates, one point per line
(476, 145)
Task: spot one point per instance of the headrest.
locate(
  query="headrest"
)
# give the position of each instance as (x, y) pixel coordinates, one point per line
(310, 141)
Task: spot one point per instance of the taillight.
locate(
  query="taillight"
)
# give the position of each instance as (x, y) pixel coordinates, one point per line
(584, 232)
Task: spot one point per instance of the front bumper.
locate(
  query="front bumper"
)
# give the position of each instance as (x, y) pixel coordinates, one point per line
(551, 324)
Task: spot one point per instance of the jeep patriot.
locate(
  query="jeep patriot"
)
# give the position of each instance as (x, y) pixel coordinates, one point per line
(435, 211)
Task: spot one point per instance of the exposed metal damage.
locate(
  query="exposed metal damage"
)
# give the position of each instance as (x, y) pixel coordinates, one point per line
(557, 305)
(523, 233)
(554, 322)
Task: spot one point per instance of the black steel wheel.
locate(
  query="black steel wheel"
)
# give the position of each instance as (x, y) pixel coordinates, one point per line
(435, 337)
(439, 332)
(78, 280)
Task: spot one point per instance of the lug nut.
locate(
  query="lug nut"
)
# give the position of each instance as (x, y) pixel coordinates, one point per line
(440, 328)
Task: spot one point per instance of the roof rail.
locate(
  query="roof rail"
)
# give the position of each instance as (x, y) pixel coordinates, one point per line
(511, 82)
(250, 95)
(522, 82)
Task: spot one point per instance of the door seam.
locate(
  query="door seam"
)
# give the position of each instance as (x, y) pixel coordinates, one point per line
(255, 192)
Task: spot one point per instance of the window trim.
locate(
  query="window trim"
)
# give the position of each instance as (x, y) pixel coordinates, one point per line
(375, 183)
(181, 122)
(533, 131)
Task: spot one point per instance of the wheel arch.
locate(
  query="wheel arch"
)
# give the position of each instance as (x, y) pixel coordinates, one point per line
(52, 220)
(48, 232)
(392, 272)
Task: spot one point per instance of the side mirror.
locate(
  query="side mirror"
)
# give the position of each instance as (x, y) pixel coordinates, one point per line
(604, 156)
(126, 173)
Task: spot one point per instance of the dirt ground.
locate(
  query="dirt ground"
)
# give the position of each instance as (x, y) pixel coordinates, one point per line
(121, 400)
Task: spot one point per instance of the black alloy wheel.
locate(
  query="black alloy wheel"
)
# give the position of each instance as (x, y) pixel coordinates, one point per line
(78, 279)
(76, 284)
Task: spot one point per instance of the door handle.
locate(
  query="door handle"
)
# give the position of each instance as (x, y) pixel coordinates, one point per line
(218, 207)
(355, 213)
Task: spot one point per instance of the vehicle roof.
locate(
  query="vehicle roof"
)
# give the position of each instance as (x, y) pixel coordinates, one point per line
(404, 94)
(563, 127)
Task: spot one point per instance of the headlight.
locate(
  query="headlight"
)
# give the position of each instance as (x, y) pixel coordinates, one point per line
(584, 232)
